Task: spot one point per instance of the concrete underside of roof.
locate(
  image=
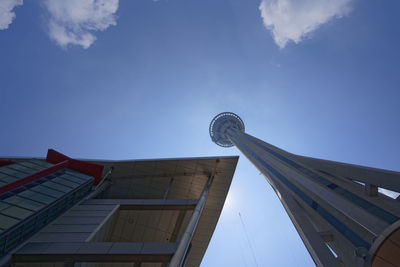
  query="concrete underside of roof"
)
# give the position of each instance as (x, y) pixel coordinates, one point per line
(139, 218)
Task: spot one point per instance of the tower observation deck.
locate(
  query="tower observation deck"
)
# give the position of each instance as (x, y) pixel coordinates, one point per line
(337, 209)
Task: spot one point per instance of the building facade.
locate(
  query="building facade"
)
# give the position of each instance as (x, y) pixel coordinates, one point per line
(60, 211)
(336, 208)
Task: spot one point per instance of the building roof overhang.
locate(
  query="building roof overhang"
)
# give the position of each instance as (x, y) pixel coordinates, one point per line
(175, 178)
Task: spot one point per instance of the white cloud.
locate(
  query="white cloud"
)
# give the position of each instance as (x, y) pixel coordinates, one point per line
(72, 22)
(292, 20)
(6, 12)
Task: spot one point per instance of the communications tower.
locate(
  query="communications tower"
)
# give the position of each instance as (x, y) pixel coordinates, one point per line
(335, 207)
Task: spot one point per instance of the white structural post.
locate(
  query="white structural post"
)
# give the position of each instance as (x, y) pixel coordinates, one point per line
(180, 253)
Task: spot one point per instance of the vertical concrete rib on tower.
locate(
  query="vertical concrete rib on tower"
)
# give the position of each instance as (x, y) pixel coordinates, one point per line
(335, 207)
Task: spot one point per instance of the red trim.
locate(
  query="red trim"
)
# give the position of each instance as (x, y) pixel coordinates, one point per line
(4, 162)
(61, 162)
(33, 177)
(88, 168)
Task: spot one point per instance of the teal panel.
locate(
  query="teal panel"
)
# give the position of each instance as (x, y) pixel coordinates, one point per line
(23, 213)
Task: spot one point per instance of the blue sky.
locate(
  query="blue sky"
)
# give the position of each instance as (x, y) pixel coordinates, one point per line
(142, 79)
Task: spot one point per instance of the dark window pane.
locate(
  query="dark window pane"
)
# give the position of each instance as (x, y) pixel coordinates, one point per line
(8, 179)
(79, 175)
(41, 163)
(72, 179)
(6, 222)
(31, 165)
(21, 168)
(24, 203)
(65, 182)
(3, 205)
(35, 196)
(3, 175)
(17, 212)
(47, 191)
(58, 187)
(9, 171)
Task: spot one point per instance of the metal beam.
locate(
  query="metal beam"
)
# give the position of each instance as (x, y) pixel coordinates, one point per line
(165, 175)
(98, 190)
(381, 178)
(146, 204)
(95, 252)
(313, 240)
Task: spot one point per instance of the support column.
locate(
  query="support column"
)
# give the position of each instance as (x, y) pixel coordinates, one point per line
(371, 190)
(168, 188)
(180, 253)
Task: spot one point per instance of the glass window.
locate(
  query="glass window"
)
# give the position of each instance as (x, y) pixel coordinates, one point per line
(3, 205)
(6, 222)
(39, 197)
(58, 187)
(30, 204)
(9, 171)
(41, 163)
(47, 191)
(8, 179)
(35, 196)
(65, 182)
(31, 165)
(11, 200)
(79, 175)
(24, 203)
(21, 168)
(27, 194)
(72, 178)
(17, 212)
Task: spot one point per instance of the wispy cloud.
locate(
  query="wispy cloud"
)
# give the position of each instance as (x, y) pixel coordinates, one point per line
(292, 20)
(72, 22)
(6, 12)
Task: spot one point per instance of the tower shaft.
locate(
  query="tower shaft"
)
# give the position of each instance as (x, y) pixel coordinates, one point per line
(339, 217)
